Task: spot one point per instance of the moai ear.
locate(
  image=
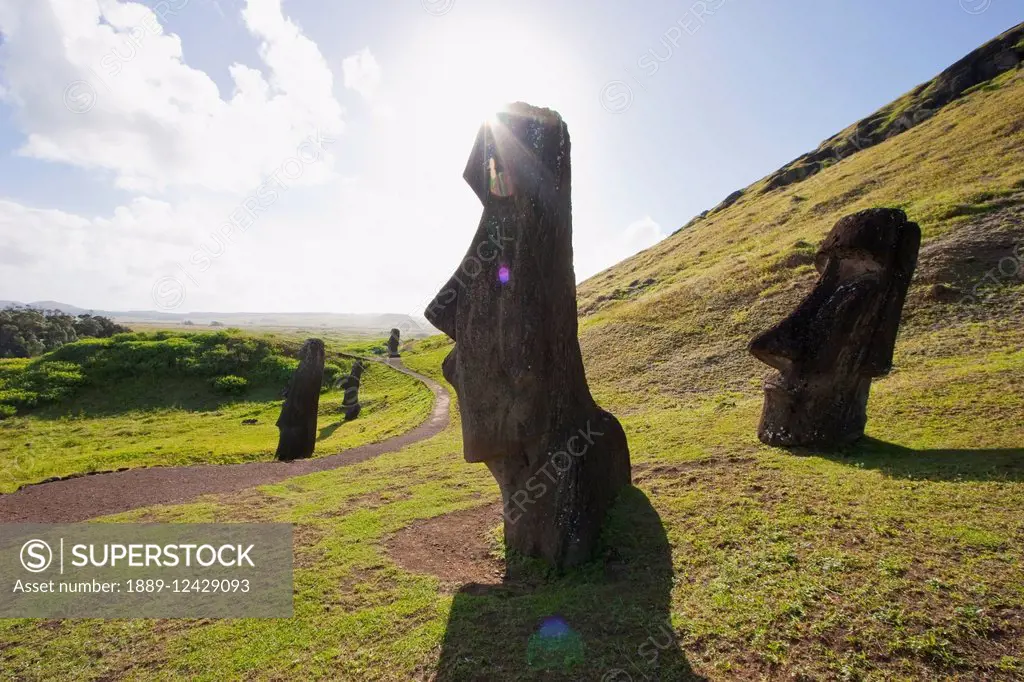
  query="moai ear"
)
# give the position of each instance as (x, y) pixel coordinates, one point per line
(477, 173)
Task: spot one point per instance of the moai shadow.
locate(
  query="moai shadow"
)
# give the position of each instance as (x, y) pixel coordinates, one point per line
(527, 412)
(841, 336)
(350, 406)
(297, 422)
(393, 341)
(608, 621)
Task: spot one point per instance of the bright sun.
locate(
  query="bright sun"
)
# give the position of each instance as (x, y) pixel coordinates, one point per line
(452, 80)
(477, 68)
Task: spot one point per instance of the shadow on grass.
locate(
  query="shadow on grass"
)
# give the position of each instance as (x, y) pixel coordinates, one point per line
(608, 621)
(145, 395)
(1006, 464)
(328, 431)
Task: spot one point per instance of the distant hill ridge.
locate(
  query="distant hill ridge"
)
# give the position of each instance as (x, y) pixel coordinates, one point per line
(999, 55)
(365, 322)
(675, 319)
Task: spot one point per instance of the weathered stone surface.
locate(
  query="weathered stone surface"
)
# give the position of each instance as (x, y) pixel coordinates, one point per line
(350, 384)
(297, 422)
(393, 342)
(527, 412)
(842, 335)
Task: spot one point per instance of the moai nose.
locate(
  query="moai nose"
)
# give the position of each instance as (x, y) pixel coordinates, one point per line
(778, 346)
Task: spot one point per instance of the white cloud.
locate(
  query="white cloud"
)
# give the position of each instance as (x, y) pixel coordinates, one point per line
(639, 235)
(85, 253)
(195, 153)
(67, 255)
(596, 254)
(159, 127)
(315, 249)
(362, 73)
(100, 85)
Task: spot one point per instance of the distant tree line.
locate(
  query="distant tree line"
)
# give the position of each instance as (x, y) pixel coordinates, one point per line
(27, 332)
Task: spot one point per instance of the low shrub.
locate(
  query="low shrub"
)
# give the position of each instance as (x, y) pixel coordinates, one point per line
(275, 369)
(332, 373)
(18, 398)
(230, 385)
(230, 361)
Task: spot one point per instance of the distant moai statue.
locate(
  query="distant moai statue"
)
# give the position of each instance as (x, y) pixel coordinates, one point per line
(350, 384)
(297, 422)
(841, 336)
(527, 412)
(393, 342)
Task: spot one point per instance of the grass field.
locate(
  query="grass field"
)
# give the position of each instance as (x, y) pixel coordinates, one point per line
(177, 420)
(899, 559)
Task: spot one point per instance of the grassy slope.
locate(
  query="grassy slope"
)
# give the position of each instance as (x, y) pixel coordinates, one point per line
(898, 559)
(722, 280)
(181, 422)
(965, 76)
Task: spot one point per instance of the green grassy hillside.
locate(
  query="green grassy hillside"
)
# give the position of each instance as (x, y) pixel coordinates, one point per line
(673, 321)
(152, 400)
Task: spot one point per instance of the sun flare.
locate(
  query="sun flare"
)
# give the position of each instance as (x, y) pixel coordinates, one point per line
(478, 68)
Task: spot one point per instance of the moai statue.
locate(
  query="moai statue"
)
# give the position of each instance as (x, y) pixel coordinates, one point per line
(297, 422)
(393, 342)
(841, 336)
(350, 384)
(527, 412)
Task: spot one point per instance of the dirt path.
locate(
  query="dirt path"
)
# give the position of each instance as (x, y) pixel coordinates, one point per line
(85, 497)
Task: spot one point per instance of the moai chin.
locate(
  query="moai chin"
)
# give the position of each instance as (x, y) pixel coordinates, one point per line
(393, 342)
(841, 336)
(527, 412)
(297, 422)
(350, 384)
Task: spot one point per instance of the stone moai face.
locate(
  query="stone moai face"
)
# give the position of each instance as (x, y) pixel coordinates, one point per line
(393, 342)
(511, 305)
(350, 384)
(516, 366)
(842, 335)
(297, 423)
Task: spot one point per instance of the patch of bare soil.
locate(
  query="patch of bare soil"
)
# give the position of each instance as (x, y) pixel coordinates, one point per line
(963, 256)
(454, 547)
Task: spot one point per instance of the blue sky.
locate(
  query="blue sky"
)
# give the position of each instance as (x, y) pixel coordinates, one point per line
(133, 134)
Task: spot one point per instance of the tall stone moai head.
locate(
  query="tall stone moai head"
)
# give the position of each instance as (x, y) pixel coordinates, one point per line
(842, 335)
(350, 384)
(297, 422)
(393, 341)
(516, 366)
(511, 304)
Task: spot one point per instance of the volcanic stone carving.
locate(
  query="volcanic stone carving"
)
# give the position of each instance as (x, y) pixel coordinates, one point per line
(297, 422)
(841, 336)
(350, 384)
(527, 412)
(393, 342)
